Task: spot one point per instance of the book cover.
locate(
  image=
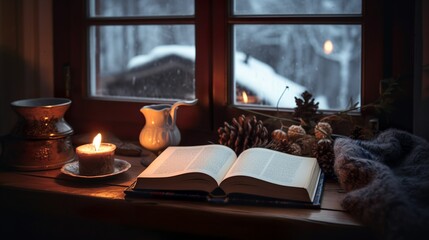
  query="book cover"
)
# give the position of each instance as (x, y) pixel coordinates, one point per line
(216, 169)
(234, 199)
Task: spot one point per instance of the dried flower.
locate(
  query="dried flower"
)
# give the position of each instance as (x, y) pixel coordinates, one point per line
(322, 130)
(295, 132)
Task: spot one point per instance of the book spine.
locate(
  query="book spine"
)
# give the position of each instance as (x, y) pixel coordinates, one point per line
(218, 200)
(170, 195)
(270, 202)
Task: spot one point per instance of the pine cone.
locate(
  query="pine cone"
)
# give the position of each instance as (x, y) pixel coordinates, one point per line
(305, 108)
(283, 146)
(244, 133)
(294, 149)
(278, 135)
(307, 143)
(324, 152)
(278, 145)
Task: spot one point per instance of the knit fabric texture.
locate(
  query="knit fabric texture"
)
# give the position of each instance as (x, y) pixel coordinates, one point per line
(387, 182)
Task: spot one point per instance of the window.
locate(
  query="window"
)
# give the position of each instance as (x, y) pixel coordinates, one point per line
(116, 56)
(321, 57)
(141, 60)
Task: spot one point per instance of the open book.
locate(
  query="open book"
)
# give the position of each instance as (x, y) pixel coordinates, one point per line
(256, 172)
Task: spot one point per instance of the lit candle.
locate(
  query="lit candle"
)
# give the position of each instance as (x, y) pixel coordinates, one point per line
(247, 99)
(96, 158)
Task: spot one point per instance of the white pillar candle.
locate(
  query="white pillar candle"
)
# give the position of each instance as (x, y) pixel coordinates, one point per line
(97, 158)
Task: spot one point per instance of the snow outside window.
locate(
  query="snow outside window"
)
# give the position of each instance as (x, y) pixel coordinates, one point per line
(271, 62)
(277, 61)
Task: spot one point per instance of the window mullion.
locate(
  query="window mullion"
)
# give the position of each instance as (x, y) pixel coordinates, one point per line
(220, 60)
(145, 20)
(296, 19)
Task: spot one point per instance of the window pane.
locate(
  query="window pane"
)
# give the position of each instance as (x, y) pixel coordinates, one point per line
(322, 59)
(132, 8)
(149, 61)
(292, 7)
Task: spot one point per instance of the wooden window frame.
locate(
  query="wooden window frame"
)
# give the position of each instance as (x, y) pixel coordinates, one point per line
(372, 53)
(122, 118)
(213, 21)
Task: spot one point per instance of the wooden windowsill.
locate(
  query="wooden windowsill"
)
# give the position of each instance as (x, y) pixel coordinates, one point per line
(49, 203)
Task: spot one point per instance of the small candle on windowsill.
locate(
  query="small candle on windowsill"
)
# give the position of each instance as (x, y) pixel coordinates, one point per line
(246, 99)
(96, 158)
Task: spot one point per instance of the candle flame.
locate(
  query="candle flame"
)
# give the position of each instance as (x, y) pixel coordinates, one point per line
(245, 98)
(97, 142)
(328, 47)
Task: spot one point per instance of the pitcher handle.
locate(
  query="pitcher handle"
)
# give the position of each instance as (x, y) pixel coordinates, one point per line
(179, 103)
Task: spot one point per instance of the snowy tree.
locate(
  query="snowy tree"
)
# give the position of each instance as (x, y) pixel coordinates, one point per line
(339, 43)
(296, 50)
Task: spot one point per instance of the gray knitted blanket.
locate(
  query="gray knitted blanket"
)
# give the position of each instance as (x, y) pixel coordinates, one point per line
(387, 182)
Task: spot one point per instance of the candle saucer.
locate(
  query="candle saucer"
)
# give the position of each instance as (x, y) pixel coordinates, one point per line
(72, 169)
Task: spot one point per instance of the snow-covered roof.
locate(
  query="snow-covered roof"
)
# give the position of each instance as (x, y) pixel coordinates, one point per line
(255, 75)
(187, 52)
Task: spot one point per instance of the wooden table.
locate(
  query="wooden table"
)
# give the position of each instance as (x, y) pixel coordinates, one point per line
(52, 204)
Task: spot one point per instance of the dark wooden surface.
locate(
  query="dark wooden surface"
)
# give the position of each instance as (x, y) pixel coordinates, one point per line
(52, 204)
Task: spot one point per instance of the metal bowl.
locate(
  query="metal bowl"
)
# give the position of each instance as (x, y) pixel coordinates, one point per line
(41, 138)
(41, 118)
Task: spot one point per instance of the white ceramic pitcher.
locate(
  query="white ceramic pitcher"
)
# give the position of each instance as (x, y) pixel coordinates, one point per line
(160, 129)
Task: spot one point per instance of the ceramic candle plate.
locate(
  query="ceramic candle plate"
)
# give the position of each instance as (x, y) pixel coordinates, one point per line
(72, 169)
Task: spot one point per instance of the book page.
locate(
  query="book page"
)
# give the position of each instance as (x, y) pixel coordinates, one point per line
(213, 160)
(272, 166)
